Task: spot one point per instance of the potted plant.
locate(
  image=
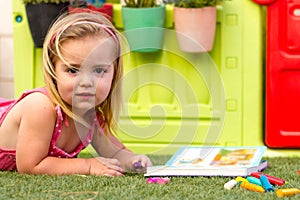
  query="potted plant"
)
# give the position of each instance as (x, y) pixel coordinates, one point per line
(41, 14)
(195, 24)
(143, 22)
(97, 5)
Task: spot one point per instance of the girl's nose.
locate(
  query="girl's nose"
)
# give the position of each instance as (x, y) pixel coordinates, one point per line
(85, 80)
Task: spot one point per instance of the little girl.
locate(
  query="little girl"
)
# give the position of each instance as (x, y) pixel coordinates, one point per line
(44, 130)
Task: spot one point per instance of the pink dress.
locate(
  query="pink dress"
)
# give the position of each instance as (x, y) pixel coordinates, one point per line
(8, 156)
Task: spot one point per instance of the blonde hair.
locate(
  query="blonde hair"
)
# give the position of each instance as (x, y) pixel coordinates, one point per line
(79, 25)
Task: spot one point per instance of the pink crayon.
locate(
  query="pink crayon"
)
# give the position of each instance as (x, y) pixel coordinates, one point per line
(159, 180)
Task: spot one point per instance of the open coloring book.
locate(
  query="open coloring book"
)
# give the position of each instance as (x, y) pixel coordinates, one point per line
(211, 161)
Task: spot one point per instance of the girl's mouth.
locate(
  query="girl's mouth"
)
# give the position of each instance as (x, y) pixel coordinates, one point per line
(85, 95)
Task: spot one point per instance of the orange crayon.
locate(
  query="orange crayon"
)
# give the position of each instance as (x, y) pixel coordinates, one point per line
(252, 187)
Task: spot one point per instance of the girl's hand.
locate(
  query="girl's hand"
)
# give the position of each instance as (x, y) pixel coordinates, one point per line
(105, 166)
(139, 163)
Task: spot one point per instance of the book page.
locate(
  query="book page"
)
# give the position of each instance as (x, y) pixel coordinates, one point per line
(217, 157)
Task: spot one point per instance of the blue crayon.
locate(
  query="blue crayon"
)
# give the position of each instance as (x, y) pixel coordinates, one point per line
(254, 180)
(266, 183)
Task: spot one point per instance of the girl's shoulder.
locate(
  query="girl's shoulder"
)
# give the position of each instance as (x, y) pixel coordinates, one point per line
(36, 100)
(34, 107)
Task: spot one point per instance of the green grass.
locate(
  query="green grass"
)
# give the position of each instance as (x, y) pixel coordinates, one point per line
(132, 186)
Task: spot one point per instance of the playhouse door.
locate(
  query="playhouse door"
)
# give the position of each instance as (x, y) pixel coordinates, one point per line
(283, 75)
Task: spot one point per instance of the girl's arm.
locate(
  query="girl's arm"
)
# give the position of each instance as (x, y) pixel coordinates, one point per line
(110, 147)
(38, 117)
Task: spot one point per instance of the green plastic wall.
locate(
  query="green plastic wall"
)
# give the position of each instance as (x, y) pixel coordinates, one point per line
(173, 98)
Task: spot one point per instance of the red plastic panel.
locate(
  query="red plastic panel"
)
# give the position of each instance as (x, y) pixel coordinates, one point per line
(289, 96)
(283, 75)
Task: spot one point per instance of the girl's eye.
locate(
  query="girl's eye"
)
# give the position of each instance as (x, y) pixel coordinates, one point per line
(100, 70)
(73, 70)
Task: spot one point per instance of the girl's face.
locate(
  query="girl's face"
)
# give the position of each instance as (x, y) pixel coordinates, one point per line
(86, 83)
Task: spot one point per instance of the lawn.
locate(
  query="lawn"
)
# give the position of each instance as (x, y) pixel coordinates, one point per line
(132, 186)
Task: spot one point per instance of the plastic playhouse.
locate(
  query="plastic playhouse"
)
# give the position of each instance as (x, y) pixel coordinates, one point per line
(172, 98)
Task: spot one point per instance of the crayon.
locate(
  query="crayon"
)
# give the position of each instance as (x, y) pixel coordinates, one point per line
(159, 180)
(230, 184)
(153, 179)
(163, 181)
(263, 165)
(252, 187)
(240, 179)
(137, 165)
(254, 180)
(272, 179)
(287, 192)
(266, 183)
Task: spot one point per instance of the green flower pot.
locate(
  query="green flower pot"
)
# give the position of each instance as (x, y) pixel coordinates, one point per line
(144, 28)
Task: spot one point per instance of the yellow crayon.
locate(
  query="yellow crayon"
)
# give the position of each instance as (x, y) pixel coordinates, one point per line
(287, 192)
(241, 179)
(252, 187)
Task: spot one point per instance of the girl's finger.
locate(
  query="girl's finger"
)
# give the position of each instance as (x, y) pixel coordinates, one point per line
(112, 172)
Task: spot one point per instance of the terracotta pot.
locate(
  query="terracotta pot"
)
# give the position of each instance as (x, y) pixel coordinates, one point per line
(195, 28)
